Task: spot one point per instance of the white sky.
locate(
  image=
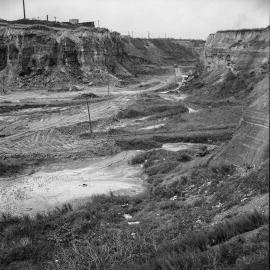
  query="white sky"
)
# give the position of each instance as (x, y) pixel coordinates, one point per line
(176, 18)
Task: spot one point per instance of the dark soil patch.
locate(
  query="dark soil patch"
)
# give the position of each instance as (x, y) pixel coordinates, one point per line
(137, 144)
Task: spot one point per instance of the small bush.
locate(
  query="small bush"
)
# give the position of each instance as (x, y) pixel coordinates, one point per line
(161, 168)
(10, 167)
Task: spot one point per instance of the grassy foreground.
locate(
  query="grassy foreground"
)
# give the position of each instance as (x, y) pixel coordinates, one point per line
(169, 227)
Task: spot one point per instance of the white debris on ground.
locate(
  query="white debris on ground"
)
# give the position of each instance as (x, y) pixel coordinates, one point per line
(134, 223)
(190, 110)
(127, 216)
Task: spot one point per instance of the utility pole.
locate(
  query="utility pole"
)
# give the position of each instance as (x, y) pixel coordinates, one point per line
(24, 10)
(55, 19)
(89, 117)
(108, 83)
(3, 84)
(98, 23)
(47, 17)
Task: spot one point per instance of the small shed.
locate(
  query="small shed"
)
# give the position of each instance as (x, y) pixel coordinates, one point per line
(74, 21)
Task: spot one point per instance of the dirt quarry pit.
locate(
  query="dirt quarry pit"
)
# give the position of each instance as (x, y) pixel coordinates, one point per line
(51, 127)
(56, 130)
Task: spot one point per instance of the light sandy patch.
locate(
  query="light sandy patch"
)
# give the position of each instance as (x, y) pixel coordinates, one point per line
(73, 182)
(152, 127)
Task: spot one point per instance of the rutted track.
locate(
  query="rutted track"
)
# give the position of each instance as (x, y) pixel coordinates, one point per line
(42, 133)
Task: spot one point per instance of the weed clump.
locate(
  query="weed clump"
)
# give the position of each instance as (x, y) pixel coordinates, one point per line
(8, 167)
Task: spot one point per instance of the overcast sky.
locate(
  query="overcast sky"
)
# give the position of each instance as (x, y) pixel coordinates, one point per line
(176, 18)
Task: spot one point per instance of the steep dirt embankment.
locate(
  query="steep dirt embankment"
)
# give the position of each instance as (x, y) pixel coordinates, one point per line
(237, 65)
(235, 61)
(237, 50)
(250, 144)
(38, 55)
(164, 51)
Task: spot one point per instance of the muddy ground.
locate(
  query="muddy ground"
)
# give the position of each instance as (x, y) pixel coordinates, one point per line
(42, 128)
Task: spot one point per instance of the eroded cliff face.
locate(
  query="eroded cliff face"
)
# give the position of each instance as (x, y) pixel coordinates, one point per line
(236, 64)
(234, 61)
(238, 50)
(39, 55)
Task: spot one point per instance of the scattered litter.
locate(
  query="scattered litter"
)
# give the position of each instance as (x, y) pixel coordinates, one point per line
(199, 221)
(133, 234)
(219, 205)
(174, 198)
(244, 199)
(124, 205)
(127, 216)
(133, 222)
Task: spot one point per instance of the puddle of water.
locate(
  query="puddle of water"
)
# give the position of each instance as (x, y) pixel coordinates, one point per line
(73, 182)
(173, 97)
(177, 146)
(152, 127)
(184, 146)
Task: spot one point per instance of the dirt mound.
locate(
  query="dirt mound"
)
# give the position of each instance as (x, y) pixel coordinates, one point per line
(152, 104)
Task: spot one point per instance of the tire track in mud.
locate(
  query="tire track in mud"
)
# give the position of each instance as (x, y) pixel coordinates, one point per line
(44, 135)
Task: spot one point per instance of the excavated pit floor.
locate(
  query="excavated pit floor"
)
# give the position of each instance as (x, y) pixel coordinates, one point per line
(73, 182)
